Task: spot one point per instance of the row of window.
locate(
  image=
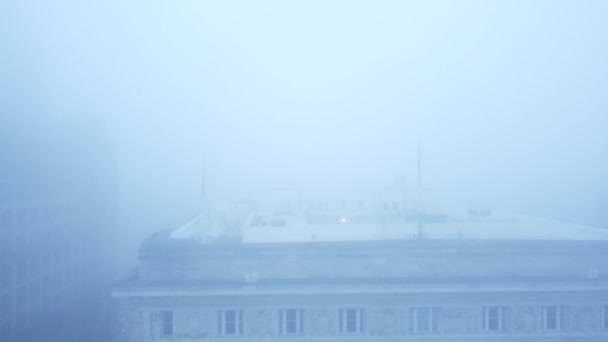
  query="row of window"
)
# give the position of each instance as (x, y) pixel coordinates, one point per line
(422, 320)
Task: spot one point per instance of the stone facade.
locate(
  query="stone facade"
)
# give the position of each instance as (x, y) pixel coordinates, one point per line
(377, 260)
(451, 281)
(383, 322)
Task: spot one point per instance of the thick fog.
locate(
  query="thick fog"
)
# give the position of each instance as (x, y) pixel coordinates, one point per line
(506, 99)
(112, 111)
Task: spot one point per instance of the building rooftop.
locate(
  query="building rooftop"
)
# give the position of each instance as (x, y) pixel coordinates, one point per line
(479, 224)
(322, 251)
(367, 216)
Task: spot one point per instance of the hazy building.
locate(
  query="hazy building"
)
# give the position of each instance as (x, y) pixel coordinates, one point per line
(54, 235)
(377, 272)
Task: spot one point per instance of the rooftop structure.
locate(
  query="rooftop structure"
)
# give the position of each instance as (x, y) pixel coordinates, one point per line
(470, 226)
(368, 272)
(384, 218)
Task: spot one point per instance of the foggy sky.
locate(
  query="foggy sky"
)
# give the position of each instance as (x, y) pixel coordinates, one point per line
(507, 98)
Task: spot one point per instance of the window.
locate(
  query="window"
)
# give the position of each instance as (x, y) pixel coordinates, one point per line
(423, 320)
(258, 221)
(291, 321)
(493, 318)
(552, 317)
(166, 328)
(250, 277)
(351, 320)
(278, 222)
(344, 205)
(360, 205)
(395, 205)
(230, 322)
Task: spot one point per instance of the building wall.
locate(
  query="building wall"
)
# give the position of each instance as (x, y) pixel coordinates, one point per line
(386, 317)
(44, 268)
(426, 260)
(54, 219)
(457, 278)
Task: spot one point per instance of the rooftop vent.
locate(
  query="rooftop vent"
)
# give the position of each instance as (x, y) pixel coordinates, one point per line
(480, 212)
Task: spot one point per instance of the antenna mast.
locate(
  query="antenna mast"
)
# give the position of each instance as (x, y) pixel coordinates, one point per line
(203, 185)
(419, 195)
(418, 167)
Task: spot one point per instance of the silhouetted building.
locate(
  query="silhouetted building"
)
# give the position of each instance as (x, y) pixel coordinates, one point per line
(371, 272)
(54, 235)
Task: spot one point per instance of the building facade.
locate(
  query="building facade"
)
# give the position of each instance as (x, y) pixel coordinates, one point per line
(53, 234)
(311, 279)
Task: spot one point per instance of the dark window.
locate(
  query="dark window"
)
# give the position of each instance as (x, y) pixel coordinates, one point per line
(552, 317)
(230, 322)
(258, 221)
(351, 320)
(277, 222)
(423, 320)
(493, 318)
(166, 323)
(291, 321)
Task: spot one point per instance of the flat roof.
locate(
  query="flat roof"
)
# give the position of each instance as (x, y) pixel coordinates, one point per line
(495, 226)
(382, 224)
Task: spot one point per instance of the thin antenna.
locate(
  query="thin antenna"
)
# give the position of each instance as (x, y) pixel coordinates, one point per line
(418, 184)
(205, 150)
(418, 166)
(203, 185)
